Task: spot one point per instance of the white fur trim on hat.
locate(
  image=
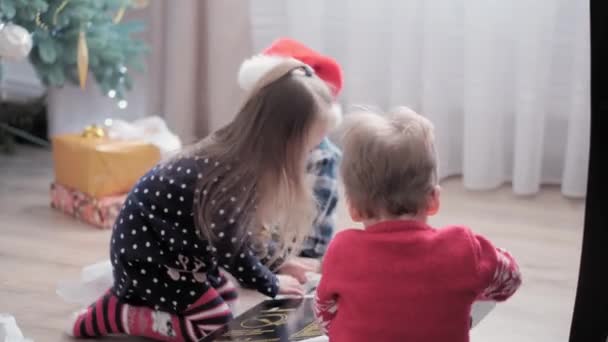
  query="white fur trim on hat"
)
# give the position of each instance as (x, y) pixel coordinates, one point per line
(253, 69)
(335, 115)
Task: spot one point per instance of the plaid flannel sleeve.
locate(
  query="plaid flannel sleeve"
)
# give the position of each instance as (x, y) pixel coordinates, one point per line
(323, 166)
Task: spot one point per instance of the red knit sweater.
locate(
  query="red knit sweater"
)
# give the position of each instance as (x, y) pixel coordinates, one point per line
(405, 281)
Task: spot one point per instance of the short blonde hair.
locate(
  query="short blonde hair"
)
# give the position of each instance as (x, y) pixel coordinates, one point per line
(389, 165)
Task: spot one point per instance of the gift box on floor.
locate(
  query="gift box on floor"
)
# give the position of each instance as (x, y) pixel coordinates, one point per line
(281, 320)
(99, 212)
(98, 166)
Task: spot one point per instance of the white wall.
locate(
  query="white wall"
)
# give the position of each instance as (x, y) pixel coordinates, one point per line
(19, 81)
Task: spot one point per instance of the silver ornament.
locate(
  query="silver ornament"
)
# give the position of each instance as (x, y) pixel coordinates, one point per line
(15, 42)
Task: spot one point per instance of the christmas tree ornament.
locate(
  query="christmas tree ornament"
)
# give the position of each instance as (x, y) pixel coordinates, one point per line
(15, 42)
(40, 23)
(82, 59)
(58, 10)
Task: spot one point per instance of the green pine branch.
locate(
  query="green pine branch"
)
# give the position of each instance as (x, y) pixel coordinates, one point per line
(114, 49)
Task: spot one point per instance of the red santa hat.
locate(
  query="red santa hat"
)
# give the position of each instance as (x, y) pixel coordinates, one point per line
(326, 68)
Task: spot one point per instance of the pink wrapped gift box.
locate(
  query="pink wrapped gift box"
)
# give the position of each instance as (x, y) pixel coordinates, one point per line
(99, 212)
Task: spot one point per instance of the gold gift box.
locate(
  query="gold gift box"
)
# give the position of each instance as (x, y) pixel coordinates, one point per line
(99, 166)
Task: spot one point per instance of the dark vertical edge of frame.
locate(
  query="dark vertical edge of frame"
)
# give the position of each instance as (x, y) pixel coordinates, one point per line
(590, 317)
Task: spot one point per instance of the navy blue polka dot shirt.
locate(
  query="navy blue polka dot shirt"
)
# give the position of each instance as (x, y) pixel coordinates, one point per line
(159, 258)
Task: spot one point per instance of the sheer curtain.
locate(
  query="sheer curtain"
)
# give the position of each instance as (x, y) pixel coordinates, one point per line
(505, 82)
(197, 49)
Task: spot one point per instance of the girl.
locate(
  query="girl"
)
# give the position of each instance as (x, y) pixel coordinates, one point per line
(215, 208)
(325, 158)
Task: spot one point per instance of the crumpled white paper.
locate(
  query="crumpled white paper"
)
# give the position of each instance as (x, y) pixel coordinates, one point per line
(94, 281)
(316, 339)
(9, 331)
(312, 283)
(151, 129)
(480, 310)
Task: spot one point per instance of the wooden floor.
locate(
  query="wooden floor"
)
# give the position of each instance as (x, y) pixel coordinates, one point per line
(39, 247)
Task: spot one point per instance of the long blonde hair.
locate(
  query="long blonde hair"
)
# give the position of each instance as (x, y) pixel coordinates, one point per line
(258, 163)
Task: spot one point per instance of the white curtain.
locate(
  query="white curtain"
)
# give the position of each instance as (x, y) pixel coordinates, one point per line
(197, 47)
(506, 83)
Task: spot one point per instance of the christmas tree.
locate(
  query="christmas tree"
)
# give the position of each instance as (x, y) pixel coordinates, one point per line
(72, 38)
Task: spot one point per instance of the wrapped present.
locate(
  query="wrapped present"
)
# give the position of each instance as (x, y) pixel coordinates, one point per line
(99, 212)
(284, 319)
(99, 166)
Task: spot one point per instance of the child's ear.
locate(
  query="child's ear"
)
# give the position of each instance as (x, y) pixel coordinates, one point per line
(355, 214)
(434, 201)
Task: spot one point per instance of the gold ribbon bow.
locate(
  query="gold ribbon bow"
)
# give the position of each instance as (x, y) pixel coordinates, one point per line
(93, 131)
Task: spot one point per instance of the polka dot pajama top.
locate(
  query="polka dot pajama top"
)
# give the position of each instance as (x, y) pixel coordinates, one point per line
(158, 258)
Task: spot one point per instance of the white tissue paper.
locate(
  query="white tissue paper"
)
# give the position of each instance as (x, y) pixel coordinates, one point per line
(9, 331)
(94, 281)
(316, 339)
(480, 310)
(312, 283)
(151, 129)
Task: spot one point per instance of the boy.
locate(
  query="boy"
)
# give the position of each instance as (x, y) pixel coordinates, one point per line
(400, 279)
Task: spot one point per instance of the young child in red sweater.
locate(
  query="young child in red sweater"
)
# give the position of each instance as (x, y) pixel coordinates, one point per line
(400, 279)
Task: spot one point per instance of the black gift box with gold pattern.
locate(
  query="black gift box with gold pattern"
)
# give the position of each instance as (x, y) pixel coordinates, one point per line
(278, 320)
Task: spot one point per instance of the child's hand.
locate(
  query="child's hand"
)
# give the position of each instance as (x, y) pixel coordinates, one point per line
(298, 267)
(288, 285)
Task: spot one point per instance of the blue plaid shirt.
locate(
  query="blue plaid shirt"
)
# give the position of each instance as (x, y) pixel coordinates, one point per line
(323, 164)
